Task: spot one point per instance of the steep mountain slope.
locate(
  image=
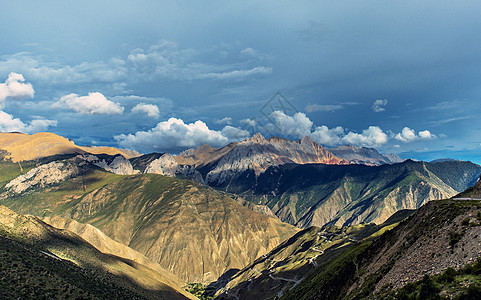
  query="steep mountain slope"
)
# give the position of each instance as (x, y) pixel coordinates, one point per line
(315, 194)
(365, 156)
(24, 147)
(288, 264)
(439, 235)
(189, 229)
(38, 259)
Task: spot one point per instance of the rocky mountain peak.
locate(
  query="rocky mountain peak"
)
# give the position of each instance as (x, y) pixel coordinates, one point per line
(255, 139)
(164, 165)
(306, 140)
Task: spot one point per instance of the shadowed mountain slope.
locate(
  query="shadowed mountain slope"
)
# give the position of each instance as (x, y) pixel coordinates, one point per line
(316, 194)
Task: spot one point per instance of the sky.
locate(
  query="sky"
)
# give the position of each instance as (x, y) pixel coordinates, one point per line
(164, 76)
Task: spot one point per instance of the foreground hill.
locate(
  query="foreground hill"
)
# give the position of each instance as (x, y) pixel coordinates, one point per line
(189, 229)
(24, 147)
(434, 252)
(316, 194)
(38, 260)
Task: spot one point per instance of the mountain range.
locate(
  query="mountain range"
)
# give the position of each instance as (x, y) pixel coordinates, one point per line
(189, 229)
(257, 219)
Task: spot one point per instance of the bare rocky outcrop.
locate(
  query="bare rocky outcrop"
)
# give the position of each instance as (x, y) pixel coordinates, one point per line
(43, 176)
(118, 165)
(164, 165)
(61, 170)
(168, 166)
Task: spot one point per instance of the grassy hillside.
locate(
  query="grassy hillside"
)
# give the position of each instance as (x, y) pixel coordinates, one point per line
(191, 230)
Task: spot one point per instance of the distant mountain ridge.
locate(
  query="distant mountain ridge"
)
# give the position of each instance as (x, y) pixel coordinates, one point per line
(365, 156)
(204, 164)
(316, 194)
(219, 166)
(24, 147)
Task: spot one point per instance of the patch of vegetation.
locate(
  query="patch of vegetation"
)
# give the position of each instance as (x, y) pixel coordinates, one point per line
(10, 170)
(454, 238)
(199, 290)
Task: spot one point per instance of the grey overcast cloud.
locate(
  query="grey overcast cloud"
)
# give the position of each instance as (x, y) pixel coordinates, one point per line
(400, 76)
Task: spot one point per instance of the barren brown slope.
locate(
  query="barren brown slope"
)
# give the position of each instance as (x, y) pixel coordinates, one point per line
(22, 147)
(64, 246)
(191, 230)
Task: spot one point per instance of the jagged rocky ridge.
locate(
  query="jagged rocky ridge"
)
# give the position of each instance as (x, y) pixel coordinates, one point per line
(219, 166)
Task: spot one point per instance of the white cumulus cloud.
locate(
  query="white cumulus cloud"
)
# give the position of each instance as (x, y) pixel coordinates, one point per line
(8, 124)
(379, 105)
(300, 125)
(16, 88)
(409, 135)
(329, 137)
(150, 109)
(371, 137)
(94, 103)
(174, 135)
